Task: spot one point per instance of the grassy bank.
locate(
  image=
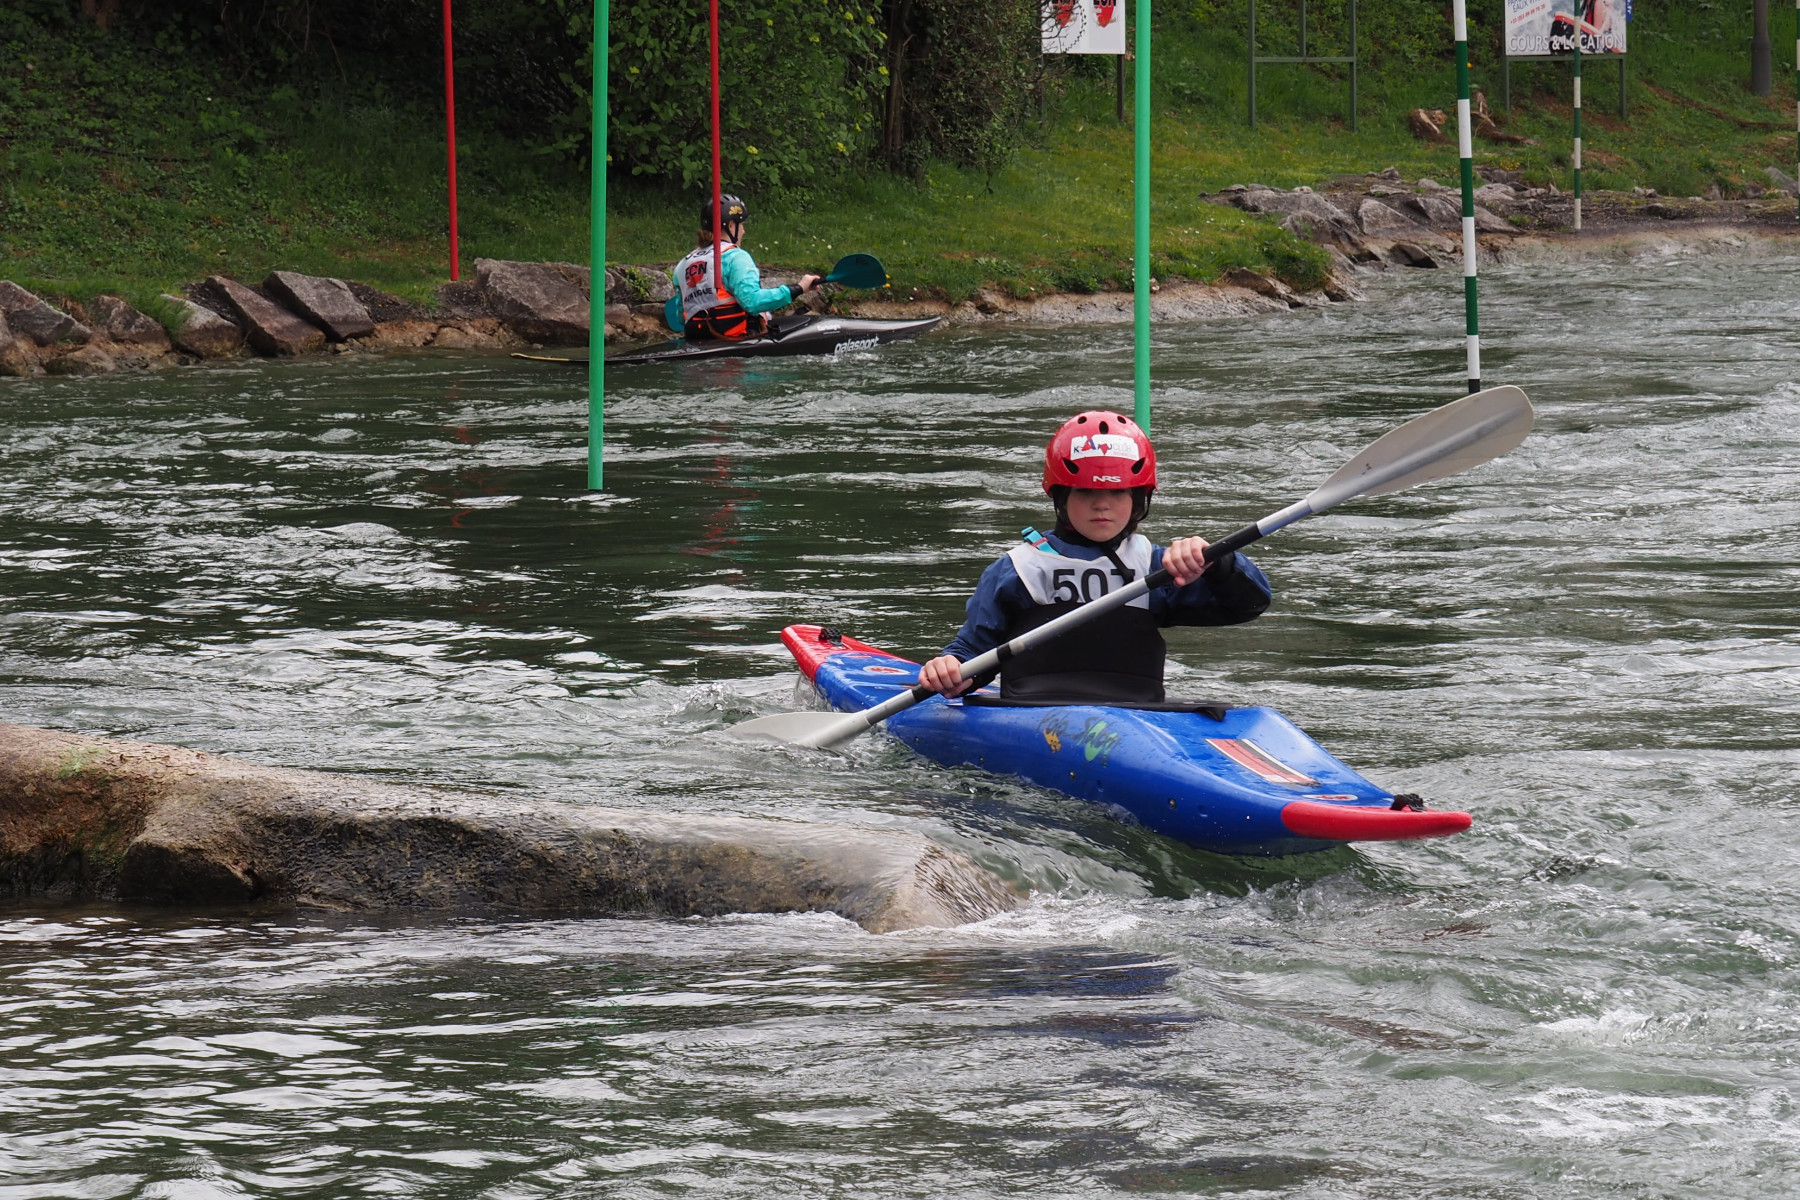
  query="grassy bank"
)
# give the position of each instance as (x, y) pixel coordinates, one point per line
(124, 171)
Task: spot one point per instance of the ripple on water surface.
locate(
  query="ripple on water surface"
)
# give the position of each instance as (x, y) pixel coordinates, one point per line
(392, 567)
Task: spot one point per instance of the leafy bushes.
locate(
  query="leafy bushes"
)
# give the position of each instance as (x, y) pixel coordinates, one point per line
(961, 78)
(800, 81)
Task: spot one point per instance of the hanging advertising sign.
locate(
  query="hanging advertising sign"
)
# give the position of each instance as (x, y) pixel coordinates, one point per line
(1541, 27)
(1084, 26)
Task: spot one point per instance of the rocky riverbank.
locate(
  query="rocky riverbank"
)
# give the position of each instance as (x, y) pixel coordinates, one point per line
(508, 305)
(1366, 223)
(84, 818)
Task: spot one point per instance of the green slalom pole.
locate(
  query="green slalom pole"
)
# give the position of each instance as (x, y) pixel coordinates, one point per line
(597, 258)
(1797, 101)
(1465, 143)
(1140, 275)
(1578, 119)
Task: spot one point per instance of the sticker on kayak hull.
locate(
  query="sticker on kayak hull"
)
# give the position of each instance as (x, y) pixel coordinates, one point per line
(1253, 758)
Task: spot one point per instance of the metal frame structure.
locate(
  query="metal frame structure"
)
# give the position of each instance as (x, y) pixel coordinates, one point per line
(1506, 61)
(1304, 58)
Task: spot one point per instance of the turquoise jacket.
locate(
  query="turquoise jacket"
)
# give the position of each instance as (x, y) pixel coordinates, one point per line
(744, 281)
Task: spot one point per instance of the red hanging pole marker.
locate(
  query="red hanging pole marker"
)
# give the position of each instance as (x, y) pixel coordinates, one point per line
(450, 131)
(718, 186)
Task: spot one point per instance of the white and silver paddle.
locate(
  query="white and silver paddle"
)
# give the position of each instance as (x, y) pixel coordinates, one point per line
(1462, 434)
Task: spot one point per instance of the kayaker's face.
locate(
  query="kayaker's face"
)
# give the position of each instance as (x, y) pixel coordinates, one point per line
(1098, 514)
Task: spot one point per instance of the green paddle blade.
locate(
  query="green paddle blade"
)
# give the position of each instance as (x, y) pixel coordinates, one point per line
(672, 313)
(858, 271)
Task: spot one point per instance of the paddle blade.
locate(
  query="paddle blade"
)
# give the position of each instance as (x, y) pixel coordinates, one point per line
(815, 729)
(858, 271)
(672, 314)
(1462, 434)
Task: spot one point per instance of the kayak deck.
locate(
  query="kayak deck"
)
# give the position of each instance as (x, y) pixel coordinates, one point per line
(1244, 781)
(807, 335)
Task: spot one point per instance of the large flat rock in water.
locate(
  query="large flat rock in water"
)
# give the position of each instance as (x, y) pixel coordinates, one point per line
(327, 303)
(85, 818)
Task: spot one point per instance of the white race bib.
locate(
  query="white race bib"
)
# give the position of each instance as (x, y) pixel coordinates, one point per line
(1054, 579)
(694, 276)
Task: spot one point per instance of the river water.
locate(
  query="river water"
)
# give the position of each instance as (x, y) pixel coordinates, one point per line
(391, 567)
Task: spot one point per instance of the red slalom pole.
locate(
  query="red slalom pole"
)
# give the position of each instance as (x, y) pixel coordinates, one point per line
(450, 127)
(718, 186)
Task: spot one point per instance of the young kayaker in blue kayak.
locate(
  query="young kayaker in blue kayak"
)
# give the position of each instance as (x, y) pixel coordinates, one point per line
(733, 309)
(1099, 472)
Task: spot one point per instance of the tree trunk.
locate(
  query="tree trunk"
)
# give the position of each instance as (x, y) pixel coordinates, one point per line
(100, 12)
(893, 124)
(1760, 81)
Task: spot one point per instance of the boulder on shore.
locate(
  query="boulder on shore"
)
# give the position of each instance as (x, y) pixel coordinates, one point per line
(271, 329)
(644, 285)
(541, 302)
(1384, 221)
(1436, 211)
(85, 818)
(327, 303)
(205, 334)
(1410, 254)
(36, 319)
(17, 355)
(83, 360)
(124, 325)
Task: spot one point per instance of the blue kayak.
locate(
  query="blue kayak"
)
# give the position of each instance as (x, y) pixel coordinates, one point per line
(1244, 781)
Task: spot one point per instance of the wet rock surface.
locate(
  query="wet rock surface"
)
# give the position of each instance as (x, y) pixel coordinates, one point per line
(89, 359)
(84, 819)
(16, 355)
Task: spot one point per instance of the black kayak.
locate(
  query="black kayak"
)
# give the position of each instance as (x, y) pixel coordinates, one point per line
(810, 334)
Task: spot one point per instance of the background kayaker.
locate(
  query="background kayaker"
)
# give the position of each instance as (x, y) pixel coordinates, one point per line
(1099, 471)
(734, 310)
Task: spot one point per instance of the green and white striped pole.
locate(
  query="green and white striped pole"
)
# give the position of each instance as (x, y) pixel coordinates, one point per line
(597, 258)
(1140, 274)
(1465, 144)
(1577, 119)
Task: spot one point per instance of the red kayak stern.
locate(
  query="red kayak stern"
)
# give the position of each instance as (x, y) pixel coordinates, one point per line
(1360, 823)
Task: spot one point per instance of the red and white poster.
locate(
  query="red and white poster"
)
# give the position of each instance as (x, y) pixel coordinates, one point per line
(1084, 26)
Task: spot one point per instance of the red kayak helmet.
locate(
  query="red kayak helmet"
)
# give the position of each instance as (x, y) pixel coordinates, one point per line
(1100, 449)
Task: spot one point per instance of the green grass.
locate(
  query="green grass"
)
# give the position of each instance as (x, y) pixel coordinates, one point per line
(122, 173)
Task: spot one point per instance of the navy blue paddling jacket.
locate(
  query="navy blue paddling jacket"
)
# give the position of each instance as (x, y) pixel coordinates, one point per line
(1119, 656)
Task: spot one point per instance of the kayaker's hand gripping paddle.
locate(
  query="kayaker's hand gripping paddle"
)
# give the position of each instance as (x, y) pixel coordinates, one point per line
(1462, 434)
